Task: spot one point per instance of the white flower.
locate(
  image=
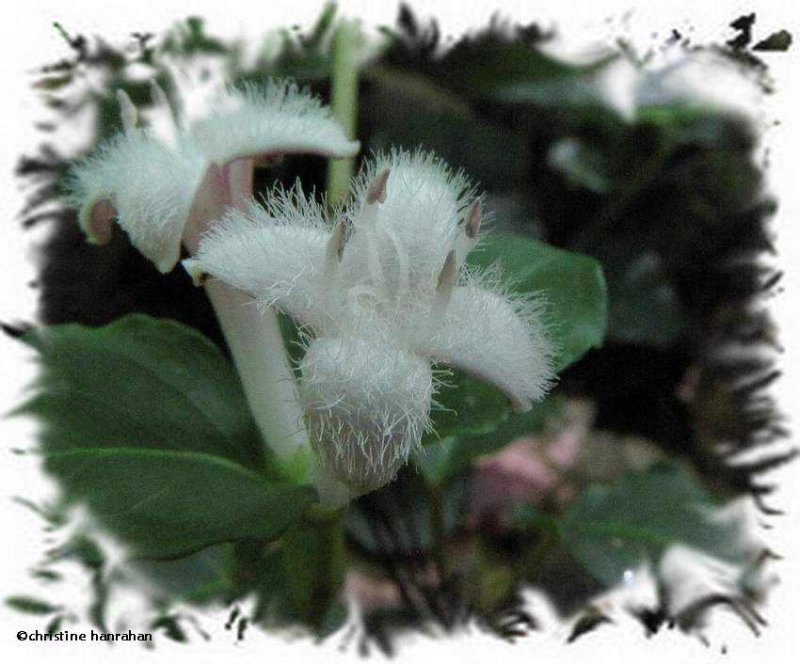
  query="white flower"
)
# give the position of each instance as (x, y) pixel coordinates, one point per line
(383, 292)
(164, 182)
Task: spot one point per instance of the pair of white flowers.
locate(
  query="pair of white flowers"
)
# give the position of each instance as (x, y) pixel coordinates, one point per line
(380, 290)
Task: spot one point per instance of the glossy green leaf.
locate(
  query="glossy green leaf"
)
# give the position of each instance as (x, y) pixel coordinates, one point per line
(166, 503)
(139, 382)
(611, 529)
(492, 67)
(465, 405)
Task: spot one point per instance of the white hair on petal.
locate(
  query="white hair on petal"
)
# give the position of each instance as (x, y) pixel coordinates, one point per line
(278, 117)
(150, 186)
(423, 210)
(485, 334)
(292, 207)
(367, 404)
(275, 255)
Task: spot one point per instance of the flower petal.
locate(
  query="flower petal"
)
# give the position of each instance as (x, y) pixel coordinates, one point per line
(417, 222)
(273, 120)
(367, 406)
(146, 185)
(279, 261)
(490, 336)
(149, 180)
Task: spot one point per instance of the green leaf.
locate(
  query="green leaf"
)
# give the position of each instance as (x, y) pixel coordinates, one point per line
(491, 67)
(571, 284)
(466, 406)
(611, 529)
(139, 382)
(166, 504)
(25, 604)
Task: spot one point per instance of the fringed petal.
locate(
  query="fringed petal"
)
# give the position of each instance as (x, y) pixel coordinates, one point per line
(367, 406)
(279, 262)
(269, 121)
(145, 186)
(492, 337)
(149, 180)
(418, 220)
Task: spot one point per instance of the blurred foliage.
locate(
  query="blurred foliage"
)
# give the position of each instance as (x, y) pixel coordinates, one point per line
(614, 529)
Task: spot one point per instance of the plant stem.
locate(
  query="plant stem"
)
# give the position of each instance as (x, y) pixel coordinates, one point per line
(344, 101)
(314, 558)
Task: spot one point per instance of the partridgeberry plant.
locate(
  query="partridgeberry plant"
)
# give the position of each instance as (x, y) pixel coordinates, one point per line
(402, 317)
(381, 290)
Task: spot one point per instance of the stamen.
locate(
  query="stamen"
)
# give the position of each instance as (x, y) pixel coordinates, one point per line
(473, 220)
(467, 240)
(128, 112)
(335, 248)
(447, 280)
(376, 191)
(367, 223)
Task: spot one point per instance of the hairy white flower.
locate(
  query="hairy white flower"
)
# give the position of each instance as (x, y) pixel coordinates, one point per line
(383, 292)
(163, 182)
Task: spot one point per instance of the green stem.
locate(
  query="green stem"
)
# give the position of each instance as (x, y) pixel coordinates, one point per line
(344, 102)
(438, 526)
(548, 538)
(314, 559)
